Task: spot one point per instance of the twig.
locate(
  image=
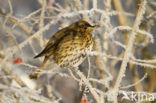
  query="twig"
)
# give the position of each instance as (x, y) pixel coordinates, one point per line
(121, 59)
(130, 45)
(20, 25)
(143, 78)
(95, 4)
(14, 48)
(89, 66)
(26, 18)
(11, 73)
(78, 4)
(86, 82)
(41, 24)
(72, 75)
(114, 30)
(86, 2)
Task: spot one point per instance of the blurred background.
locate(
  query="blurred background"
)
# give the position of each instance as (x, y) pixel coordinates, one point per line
(27, 25)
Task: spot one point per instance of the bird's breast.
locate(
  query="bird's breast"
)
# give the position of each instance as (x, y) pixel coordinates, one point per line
(71, 53)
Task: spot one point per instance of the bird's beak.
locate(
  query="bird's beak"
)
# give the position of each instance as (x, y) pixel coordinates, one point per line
(95, 26)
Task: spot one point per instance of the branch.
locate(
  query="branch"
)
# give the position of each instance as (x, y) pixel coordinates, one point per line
(129, 46)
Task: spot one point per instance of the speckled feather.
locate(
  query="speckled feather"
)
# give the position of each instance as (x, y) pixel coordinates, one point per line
(67, 46)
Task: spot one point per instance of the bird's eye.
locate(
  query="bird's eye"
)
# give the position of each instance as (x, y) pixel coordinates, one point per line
(83, 26)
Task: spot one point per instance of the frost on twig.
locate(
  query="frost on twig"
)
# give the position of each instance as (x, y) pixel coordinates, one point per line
(98, 73)
(23, 95)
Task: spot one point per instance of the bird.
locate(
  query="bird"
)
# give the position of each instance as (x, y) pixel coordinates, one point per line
(67, 47)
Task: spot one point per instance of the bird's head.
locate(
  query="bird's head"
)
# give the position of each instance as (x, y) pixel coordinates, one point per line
(85, 25)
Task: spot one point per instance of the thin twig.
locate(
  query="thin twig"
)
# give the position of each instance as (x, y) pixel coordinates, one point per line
(130, 45)
(11, 73)
(121, 59)
(20, 25)
(143, 78)
(86, 82)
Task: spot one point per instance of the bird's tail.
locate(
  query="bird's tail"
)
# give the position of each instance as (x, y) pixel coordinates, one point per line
(43, 53)
(35, 74)
(39, 55)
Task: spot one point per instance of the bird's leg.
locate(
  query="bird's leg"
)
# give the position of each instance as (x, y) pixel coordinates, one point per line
(35, 75)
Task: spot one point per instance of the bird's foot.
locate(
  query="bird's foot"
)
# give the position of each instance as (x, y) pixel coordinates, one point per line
(35, 74)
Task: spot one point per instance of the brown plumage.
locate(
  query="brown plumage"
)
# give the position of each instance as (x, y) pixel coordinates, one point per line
(67, 46)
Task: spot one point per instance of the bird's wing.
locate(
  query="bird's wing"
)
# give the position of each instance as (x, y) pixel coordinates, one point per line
(54, 41)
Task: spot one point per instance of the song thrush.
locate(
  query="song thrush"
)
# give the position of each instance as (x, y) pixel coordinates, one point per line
(67, 46)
